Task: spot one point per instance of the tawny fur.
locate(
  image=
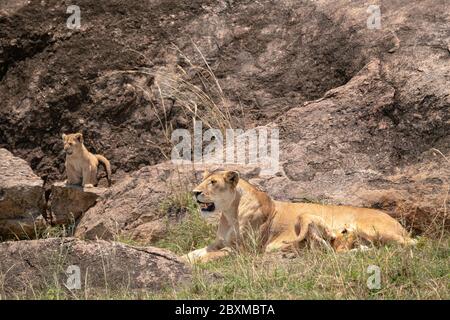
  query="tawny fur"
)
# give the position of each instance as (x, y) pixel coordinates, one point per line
(81, 165)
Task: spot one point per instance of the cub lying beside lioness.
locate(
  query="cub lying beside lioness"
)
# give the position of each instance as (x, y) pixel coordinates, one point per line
(81, 165)
(245, 211)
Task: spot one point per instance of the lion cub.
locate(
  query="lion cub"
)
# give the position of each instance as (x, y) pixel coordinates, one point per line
(345, 240)
(350, 239)
(81, 165)
(314, 230)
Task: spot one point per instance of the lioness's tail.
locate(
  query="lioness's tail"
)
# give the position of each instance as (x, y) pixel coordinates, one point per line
(107, 165)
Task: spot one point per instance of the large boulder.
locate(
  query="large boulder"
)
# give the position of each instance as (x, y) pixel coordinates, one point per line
(30, 267)
(22, 201)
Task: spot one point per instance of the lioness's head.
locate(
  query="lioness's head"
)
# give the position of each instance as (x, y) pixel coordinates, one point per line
(72, 142)
(217, 190)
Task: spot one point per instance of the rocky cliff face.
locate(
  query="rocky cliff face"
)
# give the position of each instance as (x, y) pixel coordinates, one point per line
(364, 113)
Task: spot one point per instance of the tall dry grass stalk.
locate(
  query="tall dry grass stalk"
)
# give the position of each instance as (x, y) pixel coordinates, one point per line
(197, 91)
(194, 89)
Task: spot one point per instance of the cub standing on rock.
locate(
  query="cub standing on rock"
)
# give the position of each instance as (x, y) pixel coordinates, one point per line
(81, 165)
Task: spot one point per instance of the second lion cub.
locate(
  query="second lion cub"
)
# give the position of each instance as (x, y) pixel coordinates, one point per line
(81, 165)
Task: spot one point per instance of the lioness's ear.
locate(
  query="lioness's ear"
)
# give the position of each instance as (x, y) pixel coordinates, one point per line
(79, 137)
(206, 174)
(232, 177)
(64, 136)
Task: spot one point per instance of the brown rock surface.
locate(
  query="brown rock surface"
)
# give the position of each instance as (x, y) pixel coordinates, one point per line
(22, 200)
(68, 202)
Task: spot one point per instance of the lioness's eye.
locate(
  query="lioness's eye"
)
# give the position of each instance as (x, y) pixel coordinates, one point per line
(213, 181)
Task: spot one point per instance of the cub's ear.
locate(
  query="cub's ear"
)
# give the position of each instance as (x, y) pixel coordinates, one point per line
(64, 136)
(232, 177)
(206, 174)
(79, 137)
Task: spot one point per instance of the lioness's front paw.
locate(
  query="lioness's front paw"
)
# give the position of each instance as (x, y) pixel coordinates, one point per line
(88, 185)
(194, 256)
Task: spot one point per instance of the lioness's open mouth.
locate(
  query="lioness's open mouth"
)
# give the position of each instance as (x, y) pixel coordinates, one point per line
(204, 206)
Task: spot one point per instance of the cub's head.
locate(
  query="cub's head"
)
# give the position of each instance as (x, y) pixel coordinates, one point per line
(345, 239)
(217, 190)
(72, 142)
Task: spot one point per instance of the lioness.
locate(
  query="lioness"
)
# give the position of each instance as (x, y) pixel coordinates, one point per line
(81, 165)
(244, 208)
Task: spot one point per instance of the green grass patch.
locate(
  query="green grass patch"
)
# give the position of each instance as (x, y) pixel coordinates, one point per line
(192, 232)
